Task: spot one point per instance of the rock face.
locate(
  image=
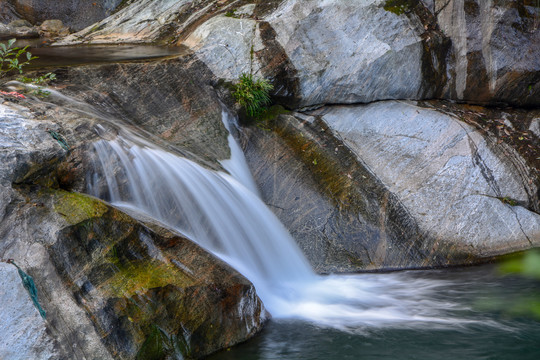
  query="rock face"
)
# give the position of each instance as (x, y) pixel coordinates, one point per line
(400, 185)
(19, 29)
(474, 51)
(494, 50)
(76, 14)
(174, 99)
(24, 331)
(53, 28)
(146, 21)
(111, 286)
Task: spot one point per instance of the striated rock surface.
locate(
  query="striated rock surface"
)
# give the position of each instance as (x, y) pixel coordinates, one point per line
(495, 47)
(24, 332)
(451, 178)
(172, 101)
(401, 185)
(337, 51)
(147, 21)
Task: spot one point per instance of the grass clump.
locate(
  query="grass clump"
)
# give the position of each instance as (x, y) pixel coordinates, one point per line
(252, 94)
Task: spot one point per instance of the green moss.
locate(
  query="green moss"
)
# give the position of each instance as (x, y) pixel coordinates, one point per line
(509, 201)
(397, 7)
(75, 207)
(272, 113)
(136, 277)
(231, 13)
(160, 345)
(332, 171)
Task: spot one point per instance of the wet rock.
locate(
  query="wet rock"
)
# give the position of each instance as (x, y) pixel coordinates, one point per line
(401, 185)
(175, 102)
(53, 28)
(135, 278)
(18, 31)
(341, 215)
(106, 281)
(29, 155)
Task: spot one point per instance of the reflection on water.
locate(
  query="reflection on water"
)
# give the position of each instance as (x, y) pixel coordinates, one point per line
(498, 326)
(91, 54)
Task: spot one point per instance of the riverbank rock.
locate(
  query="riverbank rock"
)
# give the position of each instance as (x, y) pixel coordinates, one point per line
(146, 21)
(53, 28)
(75, 14)
(111, 286)
(401, 185)
(19, 29)
(472, 51)
(494, 55)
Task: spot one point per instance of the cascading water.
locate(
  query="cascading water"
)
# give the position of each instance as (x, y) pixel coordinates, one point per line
(223, 215)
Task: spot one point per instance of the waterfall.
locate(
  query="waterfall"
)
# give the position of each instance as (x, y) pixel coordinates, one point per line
(224, 215)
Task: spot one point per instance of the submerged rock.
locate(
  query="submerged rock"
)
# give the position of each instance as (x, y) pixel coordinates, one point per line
(401, 185)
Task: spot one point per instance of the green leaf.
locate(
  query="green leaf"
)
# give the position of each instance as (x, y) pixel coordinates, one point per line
(11, 42)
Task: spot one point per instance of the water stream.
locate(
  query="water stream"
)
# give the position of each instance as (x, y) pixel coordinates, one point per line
(223, 214)
(55, 56)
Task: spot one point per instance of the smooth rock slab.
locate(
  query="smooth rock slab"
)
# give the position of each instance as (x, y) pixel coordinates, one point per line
(446, 174)
(350, 52)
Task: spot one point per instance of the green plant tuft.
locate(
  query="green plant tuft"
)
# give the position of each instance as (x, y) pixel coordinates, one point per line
(10, 58)
(252, 94)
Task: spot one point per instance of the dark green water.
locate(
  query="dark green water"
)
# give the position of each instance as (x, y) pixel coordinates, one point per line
(54, 56)
(489, 317)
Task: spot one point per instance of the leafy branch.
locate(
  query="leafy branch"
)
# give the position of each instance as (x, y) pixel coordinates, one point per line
(10, 58)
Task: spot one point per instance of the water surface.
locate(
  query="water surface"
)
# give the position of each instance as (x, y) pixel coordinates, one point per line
(54, 56)
(489, 317)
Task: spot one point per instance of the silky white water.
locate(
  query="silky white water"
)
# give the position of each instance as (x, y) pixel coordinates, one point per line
(223, 215)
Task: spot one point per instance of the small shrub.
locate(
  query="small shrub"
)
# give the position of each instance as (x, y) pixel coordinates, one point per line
(10, 58)
(252, 94)
(40, 81)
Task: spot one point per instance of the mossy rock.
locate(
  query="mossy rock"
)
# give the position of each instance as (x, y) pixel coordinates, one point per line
(76, 207)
